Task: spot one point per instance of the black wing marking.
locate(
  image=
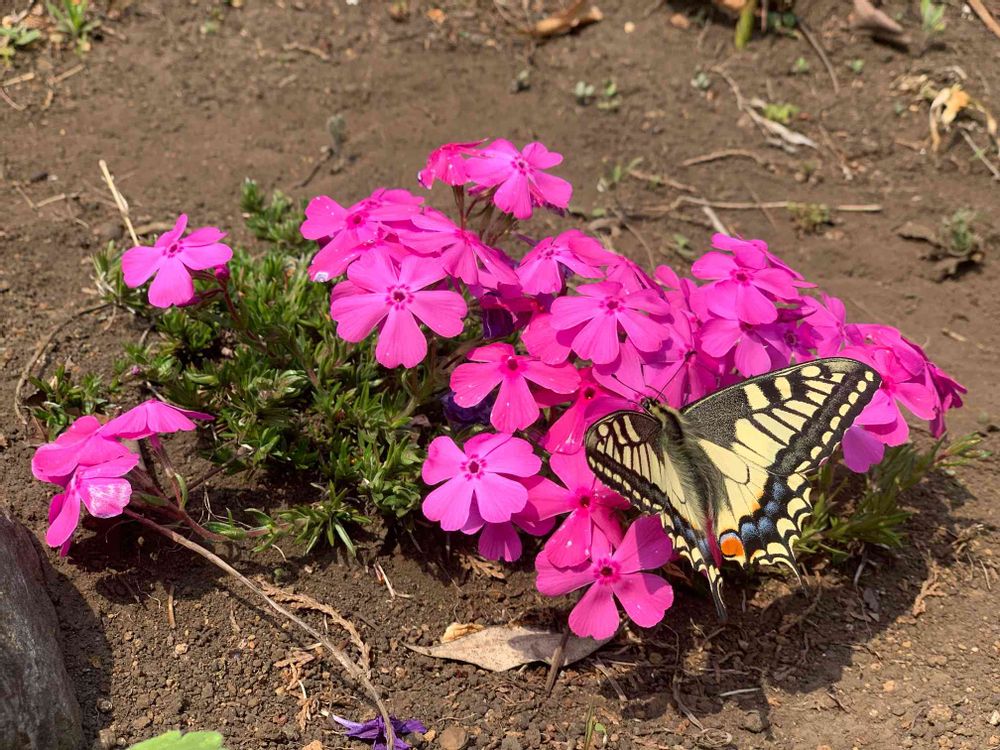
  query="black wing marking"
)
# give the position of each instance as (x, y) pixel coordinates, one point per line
(790, 420)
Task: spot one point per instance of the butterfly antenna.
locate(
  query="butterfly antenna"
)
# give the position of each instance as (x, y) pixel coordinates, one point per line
(659, 393)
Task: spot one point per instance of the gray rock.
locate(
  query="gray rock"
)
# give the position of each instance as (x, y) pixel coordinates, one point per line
(38, 709)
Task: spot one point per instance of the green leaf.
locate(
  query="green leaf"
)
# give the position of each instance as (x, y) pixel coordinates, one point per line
(176, 741)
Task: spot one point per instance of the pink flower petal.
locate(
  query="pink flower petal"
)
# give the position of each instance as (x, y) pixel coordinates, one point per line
(444, 459)
(357, 314)
(105, 497)
(200, 257)
(498, 498)
(554, 190)
(401, 341)
(645, 597)
(862, 450)
(449, 503)
(553, 581)
(500, 541)
(442, 312)
(570, 544)
(513, 196)
(598, 340)
(472, 382)
(64, 515)
(172, 285)
(595, 615)
(752, 306)
(139, 263)
(515, 408)
(204, 236)
(646, 546)
(511, 456)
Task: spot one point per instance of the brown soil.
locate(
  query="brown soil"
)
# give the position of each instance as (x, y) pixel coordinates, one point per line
(183, 116)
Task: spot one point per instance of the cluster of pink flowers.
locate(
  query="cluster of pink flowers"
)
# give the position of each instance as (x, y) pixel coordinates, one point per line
(579, 352)
(90, 461)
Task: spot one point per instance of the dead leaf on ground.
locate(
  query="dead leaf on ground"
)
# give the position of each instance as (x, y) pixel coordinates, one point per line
(488, 568)
(314, 745)
(504, 647)
(459, 630)
(680, 21)
(948, 104)
(569, 18)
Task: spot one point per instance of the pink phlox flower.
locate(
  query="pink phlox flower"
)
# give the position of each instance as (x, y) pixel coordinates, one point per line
(745, 283)
(793, 335)
(479, 480)
(152, 417)
(447, 163)
(591, 402)
(501, 541)
(828, 319)
(498, 364)
(541, 270)
(615, 575)
(756, 348)
(594, 317)
(519, 177)
(393, 299)
(592, 507)
(83, 444)
(171, 259)
(99, 487)
(462, 252)
(624, 375)
(628, 273)
(348, 233)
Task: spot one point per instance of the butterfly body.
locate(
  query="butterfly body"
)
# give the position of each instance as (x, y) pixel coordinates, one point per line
(727, 473)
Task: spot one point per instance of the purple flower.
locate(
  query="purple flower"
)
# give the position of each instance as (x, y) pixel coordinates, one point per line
(373, 731)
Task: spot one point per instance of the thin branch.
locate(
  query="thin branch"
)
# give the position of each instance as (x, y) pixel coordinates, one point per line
(980, 155)
(349, 666)
(120, 201)
(814, 43)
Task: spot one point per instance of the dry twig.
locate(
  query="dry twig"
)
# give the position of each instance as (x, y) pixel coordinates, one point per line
(724, 153)
(985, 16)
(818, 48)
(120, 201)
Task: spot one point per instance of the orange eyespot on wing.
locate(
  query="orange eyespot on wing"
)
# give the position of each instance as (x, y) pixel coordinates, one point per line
(731, 545)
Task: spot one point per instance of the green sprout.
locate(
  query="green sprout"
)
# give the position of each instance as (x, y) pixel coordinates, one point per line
(932, 17)
(72, 18)
(12, 39)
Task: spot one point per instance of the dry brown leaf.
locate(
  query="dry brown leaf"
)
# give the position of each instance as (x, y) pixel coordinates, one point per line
(314, 745)
(459, 630)
(571, 17)
(488, 568)
(436, 16)
(948, 104)
(504, 647)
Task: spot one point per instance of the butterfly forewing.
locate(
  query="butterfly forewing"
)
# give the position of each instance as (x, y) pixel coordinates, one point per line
(790, 420)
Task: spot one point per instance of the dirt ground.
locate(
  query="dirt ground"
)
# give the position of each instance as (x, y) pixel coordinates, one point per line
(185, 99)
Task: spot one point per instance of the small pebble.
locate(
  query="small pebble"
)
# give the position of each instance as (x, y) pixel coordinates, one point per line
(453, 738)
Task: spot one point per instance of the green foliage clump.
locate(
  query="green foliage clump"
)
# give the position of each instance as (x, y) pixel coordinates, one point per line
(287, 394)
(850, 509)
